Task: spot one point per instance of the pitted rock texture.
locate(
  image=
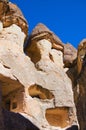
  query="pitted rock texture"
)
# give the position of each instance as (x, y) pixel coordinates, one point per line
(53, 90)
(36, 90)
(50, 70)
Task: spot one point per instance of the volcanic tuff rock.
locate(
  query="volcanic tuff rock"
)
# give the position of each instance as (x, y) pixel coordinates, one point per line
(11, 14)
(36, 91)
(77, 74)
(41, 31)
(70, 55)
(81, 84)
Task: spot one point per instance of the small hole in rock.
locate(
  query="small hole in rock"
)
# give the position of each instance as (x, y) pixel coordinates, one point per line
(40, 92)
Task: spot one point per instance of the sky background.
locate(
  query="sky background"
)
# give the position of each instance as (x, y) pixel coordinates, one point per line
(66, 18)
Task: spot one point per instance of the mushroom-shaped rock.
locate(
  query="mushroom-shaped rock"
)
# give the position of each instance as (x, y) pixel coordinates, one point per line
(70, 54)
(11, 14)
(42, 32)
(81, 55)
(54, 84)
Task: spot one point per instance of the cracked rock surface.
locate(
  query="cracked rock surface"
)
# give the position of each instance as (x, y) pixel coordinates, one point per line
(35, 88)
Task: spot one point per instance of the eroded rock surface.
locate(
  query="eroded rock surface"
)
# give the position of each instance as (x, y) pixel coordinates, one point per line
(35, 83)
(70, 55)
(78, 76)
(81, 84)
(11, 14)
(51, 75)
(52, 89)
(42, 32)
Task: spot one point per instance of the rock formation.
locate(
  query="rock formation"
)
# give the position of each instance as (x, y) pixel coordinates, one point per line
(81, 84)
(42, 86)
(70, 55)
(48, 60)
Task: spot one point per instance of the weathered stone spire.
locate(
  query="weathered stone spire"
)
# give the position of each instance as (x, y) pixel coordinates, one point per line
(36, 86)
(42, 32)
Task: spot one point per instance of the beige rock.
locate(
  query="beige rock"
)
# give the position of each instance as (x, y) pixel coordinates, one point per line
(70, 55)
(11, 74)
(51, 76)
(37, 86)
(1, 26)
(11, 52)
(42, 32)
(15, 34)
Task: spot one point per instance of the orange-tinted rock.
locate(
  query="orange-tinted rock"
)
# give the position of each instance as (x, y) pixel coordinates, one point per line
(40, 92)
(58, 116)
(11, 14)
(3, 8)
(81, 55)
(78, 75)
(42, 32)
(81, 85)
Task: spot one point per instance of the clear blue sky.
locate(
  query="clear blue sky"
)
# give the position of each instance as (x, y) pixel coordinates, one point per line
(66, 18)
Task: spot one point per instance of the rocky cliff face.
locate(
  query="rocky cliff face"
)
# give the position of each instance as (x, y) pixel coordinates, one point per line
(42, 85)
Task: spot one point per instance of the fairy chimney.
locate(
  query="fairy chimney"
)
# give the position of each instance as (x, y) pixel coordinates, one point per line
(48, 60)
(42, 32)
(34, 84)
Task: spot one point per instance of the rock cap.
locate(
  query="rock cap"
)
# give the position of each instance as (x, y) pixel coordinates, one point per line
(42, 32)
(11, 14)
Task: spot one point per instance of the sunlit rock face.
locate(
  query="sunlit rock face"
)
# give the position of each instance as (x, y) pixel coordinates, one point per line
(37, 82)
(33, 83)
(12, 37)
(55, 91)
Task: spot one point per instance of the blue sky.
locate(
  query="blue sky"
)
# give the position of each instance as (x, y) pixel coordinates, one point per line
(66, 18)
